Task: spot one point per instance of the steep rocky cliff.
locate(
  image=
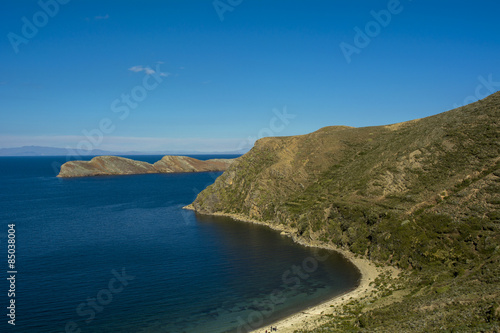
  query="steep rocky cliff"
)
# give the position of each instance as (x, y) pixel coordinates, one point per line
(423, 195)
(114, 165)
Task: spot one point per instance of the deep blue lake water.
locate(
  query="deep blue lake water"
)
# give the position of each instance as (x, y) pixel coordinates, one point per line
(118, 254)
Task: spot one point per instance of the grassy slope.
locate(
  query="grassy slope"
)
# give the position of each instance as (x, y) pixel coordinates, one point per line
(423, 195)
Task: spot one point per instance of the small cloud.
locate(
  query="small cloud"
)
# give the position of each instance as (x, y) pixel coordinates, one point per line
(105, 17)
(141, 68)
(181, 67)
(136, 68)
(147, 70)
(3, 83)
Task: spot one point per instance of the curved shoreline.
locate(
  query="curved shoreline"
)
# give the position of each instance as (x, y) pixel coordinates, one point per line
(314, 316)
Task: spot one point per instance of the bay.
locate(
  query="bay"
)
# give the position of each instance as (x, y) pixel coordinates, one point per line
(118, 254)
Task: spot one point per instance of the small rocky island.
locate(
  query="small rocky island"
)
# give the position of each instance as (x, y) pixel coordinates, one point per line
(114, 165)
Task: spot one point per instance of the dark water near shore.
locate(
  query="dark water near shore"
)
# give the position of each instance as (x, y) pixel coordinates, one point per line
(118, 254)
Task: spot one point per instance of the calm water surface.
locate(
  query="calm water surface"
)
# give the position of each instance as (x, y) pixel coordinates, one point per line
(118, 254)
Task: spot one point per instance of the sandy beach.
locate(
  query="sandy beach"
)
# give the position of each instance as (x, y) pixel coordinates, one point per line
(314, 316)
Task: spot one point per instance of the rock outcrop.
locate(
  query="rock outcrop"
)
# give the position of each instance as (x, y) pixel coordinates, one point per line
(114, 165)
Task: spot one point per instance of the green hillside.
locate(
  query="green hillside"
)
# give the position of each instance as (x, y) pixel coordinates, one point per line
(423, 195)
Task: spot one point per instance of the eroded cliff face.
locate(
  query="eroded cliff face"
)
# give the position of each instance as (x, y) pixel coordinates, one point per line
(275, 168)
(114, 165)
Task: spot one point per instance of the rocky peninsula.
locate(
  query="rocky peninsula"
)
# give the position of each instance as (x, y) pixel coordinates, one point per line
(114, 165)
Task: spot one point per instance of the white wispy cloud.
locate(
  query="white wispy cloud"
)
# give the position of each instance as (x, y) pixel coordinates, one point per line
(147, 70)
(136, 69)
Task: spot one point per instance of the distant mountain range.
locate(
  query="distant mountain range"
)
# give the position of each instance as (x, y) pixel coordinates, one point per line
(53, 151)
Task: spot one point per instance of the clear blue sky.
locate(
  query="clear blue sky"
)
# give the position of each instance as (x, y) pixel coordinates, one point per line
(224, 70)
